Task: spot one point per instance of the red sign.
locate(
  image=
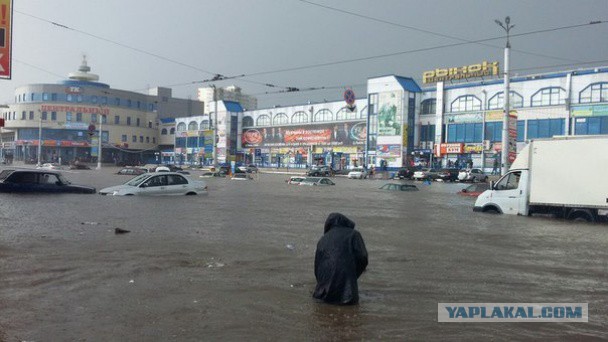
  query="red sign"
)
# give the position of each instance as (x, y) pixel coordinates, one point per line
(1, 122)
(6, 38)
(454, 148)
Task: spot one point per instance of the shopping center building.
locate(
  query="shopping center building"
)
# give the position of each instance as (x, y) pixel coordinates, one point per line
(454, 118)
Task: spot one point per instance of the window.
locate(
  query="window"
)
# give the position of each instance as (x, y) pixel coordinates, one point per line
(104, 119)
(192, 126)
(128, 121)
(596, 92)
(181, 127)
(346, 114)
(493, 131)
(93, 117)
(147, 140)
(497, 101)
(299, 117)
(45, 96)
(323, 115)
(134, 138)
(172, 130)
(247, 121)
(32, 97)
(591, 125)
(23, 115)
(138, 104)
(263, 120)
(44, 115)
(78, 117)
(552, 96)
(153, 140)
(176, 180)
(104, 100)
(163, 131)
(129, 103)
(510, 182)
(363, 113)
(545, 128)
(428, 106)
(123, 138)
(280, 119)
(141, 138)
(521, 127)
(69, 98)
(31, 115)
(205, 125)
(427, 133)
(53, 116)
(68, 116)
(466, 103)
(137, 122)
(79, 98)
(117, 102)
(466, 133)
(53, 97)
(94, 99)
(150, 124)
(117, 120)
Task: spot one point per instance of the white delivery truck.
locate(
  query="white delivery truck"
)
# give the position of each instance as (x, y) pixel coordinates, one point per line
(566, 176)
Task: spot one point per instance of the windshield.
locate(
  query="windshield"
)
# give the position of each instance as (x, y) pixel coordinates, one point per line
(63, 179)
(137, 180)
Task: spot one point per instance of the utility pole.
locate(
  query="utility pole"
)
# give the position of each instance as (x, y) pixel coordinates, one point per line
(39, 138)
(215, 163)
(507, 94)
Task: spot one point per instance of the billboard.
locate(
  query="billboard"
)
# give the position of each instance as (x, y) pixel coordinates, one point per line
(6, 38)
(327, 134)
(389, 115)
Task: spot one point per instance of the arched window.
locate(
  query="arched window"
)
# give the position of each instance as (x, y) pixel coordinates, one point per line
(172, 131)
(280, 119)
(346, 114)
(466, 103)
(181, 127)
(192, 126)
(551, 96)
(428, 106)
(204, 125)
(324, 115)
(595, 92)
(497, 101)
(247, 121)
(263, 120)
(363, 113)
(163, 131)
(299, 117)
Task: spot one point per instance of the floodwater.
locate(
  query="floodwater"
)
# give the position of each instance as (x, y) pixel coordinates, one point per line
(237, 264)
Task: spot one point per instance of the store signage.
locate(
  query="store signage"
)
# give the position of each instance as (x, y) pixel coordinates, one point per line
(6, 38)
(449, 148)
(590, 111)
(331, 134)
(468, 71)
(464, 118)
(75, 109)
(478, 148)
(73, 90)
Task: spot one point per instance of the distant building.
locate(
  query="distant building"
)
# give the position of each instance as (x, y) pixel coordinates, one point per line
(67, 116)
(230, 93)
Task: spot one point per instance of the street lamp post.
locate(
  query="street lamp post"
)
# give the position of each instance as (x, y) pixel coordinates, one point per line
(215, 163)
(39, 139)
(505, 121)
(99, 139)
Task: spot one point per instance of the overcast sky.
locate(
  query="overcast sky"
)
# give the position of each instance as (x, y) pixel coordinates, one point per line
(136, 44)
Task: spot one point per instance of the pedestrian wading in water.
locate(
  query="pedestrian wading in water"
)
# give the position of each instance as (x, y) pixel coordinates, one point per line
(340, 259)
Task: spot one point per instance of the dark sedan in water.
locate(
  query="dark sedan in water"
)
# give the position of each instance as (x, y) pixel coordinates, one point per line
(39, 181)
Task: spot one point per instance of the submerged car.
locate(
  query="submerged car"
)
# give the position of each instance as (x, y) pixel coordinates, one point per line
(399, 187)
(447, 175)
(357, 173)
(425, 174)
(319, 170)
(39, 181)
(315, 181)
(241, 176)
(131, 171)
(157, 184)
(474, 190)
(50, 166)
(295, 180)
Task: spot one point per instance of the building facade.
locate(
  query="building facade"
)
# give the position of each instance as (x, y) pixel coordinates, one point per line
(65, 119)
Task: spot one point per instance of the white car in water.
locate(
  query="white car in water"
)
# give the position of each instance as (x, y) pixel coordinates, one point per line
(357, 173)
(158, 184)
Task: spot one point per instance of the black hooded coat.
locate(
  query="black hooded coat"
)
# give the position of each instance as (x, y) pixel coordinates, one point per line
(340, 259)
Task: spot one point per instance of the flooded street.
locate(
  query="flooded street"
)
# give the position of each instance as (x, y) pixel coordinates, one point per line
(237, 264)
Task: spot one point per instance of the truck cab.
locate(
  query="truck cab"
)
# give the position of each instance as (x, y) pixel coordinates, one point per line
(506, 196)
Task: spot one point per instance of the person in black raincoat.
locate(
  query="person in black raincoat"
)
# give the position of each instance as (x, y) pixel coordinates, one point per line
(340, 259)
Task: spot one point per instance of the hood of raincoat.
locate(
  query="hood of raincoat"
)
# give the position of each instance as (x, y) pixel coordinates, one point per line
(337, 220)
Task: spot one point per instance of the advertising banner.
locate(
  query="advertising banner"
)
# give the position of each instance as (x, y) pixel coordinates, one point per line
(388, 151)
(512, 136)
(390, 113)
(465, 118)
(6, 38)
(590, 111)
(329, 134)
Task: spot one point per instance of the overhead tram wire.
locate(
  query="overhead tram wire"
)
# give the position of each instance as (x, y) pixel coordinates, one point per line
(428, 31)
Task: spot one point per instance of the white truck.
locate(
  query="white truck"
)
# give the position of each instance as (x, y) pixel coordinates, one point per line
(565, 176)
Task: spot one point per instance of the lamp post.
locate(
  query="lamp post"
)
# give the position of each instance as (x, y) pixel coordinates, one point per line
(215, 163)
(39, 138)
(505, 121)
(101, 115)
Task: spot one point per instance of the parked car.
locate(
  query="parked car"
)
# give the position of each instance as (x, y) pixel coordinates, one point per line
(251, 168)
(241, 176)
(399, 187)
(79, 166)
(210, 174)
(319, 171)
(405, 173)
(157, 184)
(472, 175)
(423, 174)
(317, 181)
(131, 171)
(39, 181)
(295, 180)
(357, 173)
(447, 175)
(474, 190)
